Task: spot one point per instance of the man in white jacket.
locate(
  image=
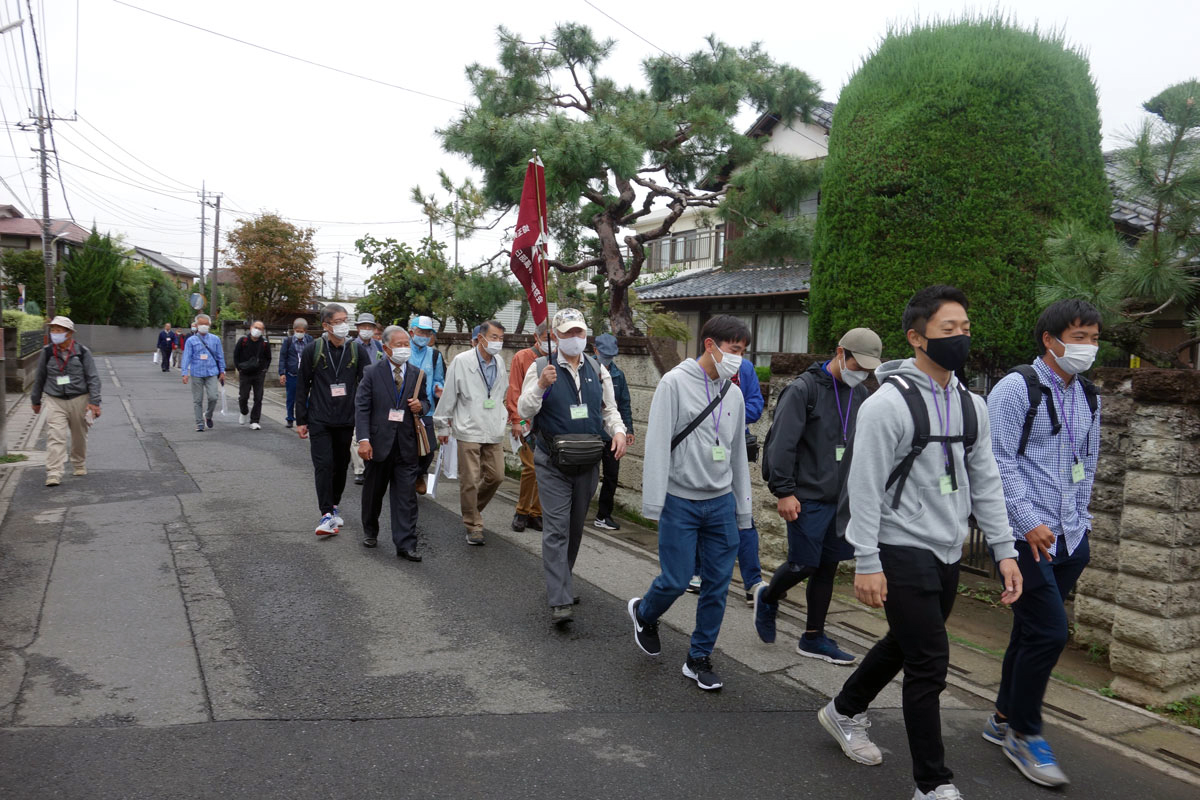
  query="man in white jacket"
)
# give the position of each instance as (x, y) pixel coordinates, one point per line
(472, 408)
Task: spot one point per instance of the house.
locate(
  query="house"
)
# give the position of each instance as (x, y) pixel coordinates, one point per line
(18, 232)
(180, 275)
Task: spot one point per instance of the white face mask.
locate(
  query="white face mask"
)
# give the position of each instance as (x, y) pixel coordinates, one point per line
(301, 334)
(202, 329)
(494, 348)
(58, 338)
(400, 355)
(341, 330)
(572, 346)
(366, 334)
(255, 332)
(852, 377)
(728, 366)
(1076, 358)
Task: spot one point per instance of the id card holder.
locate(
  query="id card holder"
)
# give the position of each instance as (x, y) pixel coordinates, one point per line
(946, 485)
(718, 452)
(337, 389)
(396, 415)
(490, 403)
(579, 411)
(204, 356)
(63, 380)
(1077, 472)
(839, 452)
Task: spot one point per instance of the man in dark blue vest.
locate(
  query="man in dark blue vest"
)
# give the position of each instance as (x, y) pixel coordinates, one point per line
(572, 405)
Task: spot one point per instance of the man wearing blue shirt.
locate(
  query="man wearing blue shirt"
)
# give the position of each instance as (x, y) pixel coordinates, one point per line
(427, 359)
(204, 363)
(1048, 469)
(289, 363)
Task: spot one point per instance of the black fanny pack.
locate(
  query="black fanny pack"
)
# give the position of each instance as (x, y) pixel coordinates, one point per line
(576, 452)
(751, 447)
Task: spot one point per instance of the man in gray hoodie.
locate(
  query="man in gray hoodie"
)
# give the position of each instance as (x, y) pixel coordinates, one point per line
(696, 483)
(908, 522)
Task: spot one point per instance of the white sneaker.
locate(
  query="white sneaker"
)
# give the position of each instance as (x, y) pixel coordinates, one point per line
(254, 426)
(338, 522)
(243, 419)
(326, 527)
(851, 735)
(947, 791)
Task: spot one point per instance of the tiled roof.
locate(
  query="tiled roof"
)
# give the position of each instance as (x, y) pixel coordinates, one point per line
(163, 262)
(1132, 212)
(822, 116)
(718, 282)
(32, 228)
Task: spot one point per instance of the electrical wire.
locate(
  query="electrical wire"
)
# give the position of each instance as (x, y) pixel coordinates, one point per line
(117, 145)
(127, 183)
(120, 164)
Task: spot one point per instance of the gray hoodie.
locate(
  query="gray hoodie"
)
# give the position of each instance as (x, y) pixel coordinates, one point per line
(690, 472)
(926, 518)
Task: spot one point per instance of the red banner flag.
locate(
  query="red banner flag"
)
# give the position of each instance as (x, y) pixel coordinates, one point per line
(529, 242)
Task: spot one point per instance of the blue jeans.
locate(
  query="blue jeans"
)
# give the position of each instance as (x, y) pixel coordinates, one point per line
(291, 397)
(683, 526)
(1039, 632)
(747, 557)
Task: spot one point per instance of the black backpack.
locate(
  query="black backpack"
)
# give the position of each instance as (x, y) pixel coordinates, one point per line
(1036, 389)
(809, 406)
(922, 436)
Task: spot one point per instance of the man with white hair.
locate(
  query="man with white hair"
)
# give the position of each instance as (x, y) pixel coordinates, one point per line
(289, 363)
(70, 385)
(204, 365)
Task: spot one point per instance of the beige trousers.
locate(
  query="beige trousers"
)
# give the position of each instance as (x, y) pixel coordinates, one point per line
(480, 472)
(528, 503)
(65, 417)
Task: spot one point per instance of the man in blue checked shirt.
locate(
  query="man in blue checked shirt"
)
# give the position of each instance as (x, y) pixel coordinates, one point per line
(204, 362)
(1047, 489)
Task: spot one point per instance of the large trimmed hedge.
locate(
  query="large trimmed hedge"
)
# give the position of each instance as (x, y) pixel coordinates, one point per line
(954, 147)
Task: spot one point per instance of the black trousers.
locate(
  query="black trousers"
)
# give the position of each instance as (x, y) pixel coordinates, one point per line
(920, 596)
(610, 470)
(248, 382)
(166, 359)
(397, 477)
(330, 449)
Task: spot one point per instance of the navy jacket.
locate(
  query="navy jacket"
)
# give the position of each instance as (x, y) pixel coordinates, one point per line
(289, 353)
(167, 341)
(375, 398)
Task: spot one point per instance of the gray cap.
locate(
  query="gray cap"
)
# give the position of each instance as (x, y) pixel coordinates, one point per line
(606, 345)
(864, 345)
(366, 319)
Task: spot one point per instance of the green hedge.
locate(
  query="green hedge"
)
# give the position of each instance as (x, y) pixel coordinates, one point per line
(954, 147)
(22, 322)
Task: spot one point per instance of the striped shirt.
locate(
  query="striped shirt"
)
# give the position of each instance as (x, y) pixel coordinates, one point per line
(1038, 486)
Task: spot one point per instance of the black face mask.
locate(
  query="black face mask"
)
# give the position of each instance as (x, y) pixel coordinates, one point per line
(949, 352)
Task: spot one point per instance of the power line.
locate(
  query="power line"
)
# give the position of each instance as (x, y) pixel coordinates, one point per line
(117, 145)
(122, 165)
(127, 183)
(294, 58)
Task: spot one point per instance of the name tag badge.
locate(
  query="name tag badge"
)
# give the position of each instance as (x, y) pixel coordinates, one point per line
(337, 389)
(63, 380)
(396, 415)
(1076, 471)
(489, 403)
(579, 412)
(718, 453)
(204, 356)
(839, 452)
(946, 486)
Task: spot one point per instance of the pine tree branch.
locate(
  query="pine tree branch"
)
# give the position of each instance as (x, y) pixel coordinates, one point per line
(579, 267)
(1158, 310)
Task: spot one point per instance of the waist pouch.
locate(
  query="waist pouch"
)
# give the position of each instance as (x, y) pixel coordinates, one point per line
(576, 452)
(751, 447)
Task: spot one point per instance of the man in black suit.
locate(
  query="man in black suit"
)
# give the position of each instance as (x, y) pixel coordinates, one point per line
(386, 416)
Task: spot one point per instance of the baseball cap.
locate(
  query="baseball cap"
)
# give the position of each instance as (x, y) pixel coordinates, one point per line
(475, 331)
(606, 345)
(568, 319)
(365, 319)
(63, 322)
(422, 322)
(865, 346)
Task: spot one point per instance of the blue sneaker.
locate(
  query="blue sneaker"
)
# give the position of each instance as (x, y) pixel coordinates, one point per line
(1035, 759)
(994, 730)
(825, 649)
(764, 615)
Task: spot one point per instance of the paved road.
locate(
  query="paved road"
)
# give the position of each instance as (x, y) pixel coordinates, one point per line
(170, 627)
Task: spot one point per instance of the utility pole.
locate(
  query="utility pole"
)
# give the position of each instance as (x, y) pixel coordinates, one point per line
(216, 273)
(322, 276)
(47, 240)
(337, 277)
(203, 208)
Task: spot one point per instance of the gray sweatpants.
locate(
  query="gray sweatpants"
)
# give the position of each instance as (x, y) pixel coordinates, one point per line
(565, 500)
(212, 385)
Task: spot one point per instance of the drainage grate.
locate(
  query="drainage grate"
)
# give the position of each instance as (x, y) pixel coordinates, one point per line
(856, 629)
(1064, 712)
(959, 669)
(1179, 758)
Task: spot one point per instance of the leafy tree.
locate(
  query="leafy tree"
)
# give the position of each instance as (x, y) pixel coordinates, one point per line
(405, 282)
(1133, 284)
(761, 200)
(463, 208)
(273, 264)
(954, 149)
(163, 300)
(91, 278)
(27, 267)
(611, 152)
(477, 297)
(131, 294)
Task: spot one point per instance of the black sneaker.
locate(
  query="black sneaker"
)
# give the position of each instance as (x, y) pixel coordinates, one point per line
(535, 523)
(519, 522)
(288, 423)
(701, 671)
(208, 421)
(645, 634)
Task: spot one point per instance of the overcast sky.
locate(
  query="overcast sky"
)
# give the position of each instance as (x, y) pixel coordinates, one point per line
(162, 106)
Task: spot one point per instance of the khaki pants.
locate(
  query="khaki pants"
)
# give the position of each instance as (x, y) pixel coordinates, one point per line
(480, 472)
(355, 459)
(63, 417)
(527, 502)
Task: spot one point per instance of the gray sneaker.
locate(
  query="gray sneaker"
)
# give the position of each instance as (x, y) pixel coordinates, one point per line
(1035, 759)
(561, 615)
(475, 537)
(851, 734)
(947, 791)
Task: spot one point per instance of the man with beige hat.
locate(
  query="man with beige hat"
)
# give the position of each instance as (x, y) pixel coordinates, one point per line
(68, 381)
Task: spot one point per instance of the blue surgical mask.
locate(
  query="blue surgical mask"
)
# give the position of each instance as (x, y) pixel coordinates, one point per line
(420, 341)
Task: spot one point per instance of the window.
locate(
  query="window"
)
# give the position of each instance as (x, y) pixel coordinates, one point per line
(773, 332)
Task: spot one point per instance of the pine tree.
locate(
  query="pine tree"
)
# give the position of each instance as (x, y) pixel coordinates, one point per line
(91, 278)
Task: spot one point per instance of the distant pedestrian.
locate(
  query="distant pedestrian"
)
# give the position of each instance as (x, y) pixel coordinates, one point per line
(529, 509)
(426, 358)
(813, 425)
(168, 340)
(696, 483)
(471, 407)
(366, 337)
(69, 383)
(289, 363)
(177, 351)
(610, 469)
(331, 369)
(204, 361)
(572, 405)
(252, 357)
(389, 406)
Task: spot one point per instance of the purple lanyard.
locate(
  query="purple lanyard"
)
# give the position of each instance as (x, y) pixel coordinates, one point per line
(942, 425)
(720, 411)
(1068, 417)
(837, 398)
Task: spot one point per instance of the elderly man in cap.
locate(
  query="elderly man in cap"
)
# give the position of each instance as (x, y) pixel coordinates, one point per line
(573, 408)
(289, 363)
(426, 358)
(70, 385)
(610, 468)
(367, 328)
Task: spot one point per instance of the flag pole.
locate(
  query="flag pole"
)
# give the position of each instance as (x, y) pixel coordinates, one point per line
(542, 249)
